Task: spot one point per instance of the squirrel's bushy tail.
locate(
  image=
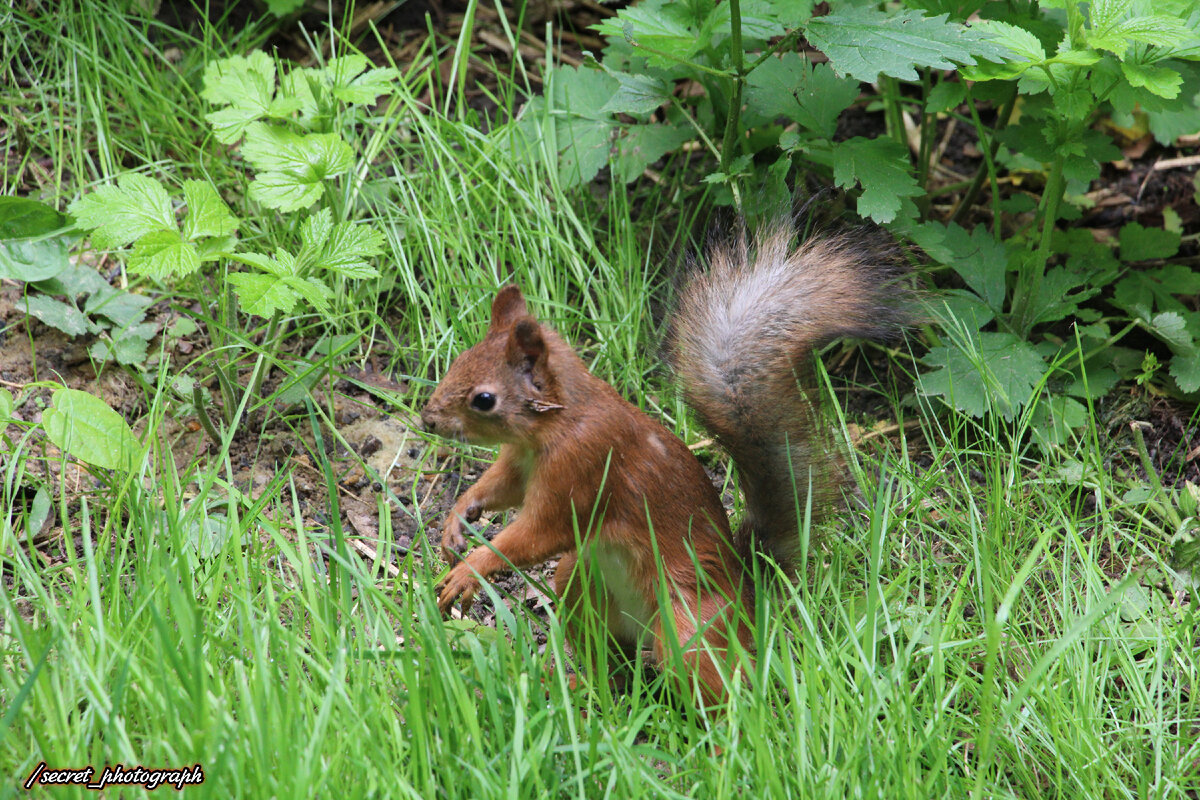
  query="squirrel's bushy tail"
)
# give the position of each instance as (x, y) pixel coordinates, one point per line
(742, 340)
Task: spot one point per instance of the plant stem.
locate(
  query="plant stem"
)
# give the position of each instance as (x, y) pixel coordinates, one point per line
(988, 168)
(730, 142)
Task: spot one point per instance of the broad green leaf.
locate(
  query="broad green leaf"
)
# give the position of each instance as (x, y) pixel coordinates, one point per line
(88, 429)
(33, 260)
(314, 233)
(316, 293)
(21, 218)
(989, 372)
(118, 215)
(285, 192)
(980, 261)
(636, 94)
(240, 80)
(164, 254)
(882, 168)
(1171, 327)
(245, 85)
(366, 87)
(263, 295)
(793, 88)
(207, 213)
(1163, 81)
(63, 316)
(864, 41)
(1021, 42)
(349, 245)
(124, 309)
(659, 30)
(1185, 369)
(1143, 244)
(945, 96)
(642, 145)
(74, 280)
(125, 347)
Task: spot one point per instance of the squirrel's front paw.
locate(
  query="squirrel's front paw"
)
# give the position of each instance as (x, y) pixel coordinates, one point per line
(462, 584)
(454, 544)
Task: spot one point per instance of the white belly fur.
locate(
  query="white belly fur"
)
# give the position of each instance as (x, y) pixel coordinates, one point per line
(630, 615)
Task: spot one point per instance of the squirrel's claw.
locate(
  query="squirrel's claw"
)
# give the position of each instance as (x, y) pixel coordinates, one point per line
(460, 584)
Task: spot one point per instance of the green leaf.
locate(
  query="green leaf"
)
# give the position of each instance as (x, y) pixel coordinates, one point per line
(864, 41)
(21, 218)
(987, 372)
(73, 281)
(118, 215)
(642, 145)
(316, 293)
(125, 347)
(164, 254)
(1171, 327)
(1143, 244)
(33, 260)
(980, 261)
(349, 245)
(636, 94)
(1185, 369)
(793, 88)
(314, 233)
(85, 427)
(882, 168)
(207, 213)
(244, 83)
(285, 192)
(660, 30)
(1163, 81)
(293, 165)
(945, 96)
(263, 295)
(63, 316)
(6, 408)
(124, 309)
(365, 88)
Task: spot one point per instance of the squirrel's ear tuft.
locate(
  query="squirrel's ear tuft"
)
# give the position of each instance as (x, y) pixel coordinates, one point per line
(526, 345)
(508, 306)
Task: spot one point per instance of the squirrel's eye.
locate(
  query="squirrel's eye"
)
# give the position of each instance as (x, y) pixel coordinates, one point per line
(484, 401)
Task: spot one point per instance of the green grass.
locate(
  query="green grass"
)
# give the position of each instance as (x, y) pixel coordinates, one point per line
(981, 627)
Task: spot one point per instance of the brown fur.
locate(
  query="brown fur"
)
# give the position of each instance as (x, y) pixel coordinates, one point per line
(575, 455)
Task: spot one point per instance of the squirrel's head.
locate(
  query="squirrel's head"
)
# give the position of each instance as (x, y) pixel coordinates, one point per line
(499, 390)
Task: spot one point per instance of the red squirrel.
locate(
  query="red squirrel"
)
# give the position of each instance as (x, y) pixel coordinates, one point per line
(588, 468)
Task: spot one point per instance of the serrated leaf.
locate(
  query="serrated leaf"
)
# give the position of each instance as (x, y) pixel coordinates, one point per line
(316, 293)
(1021, 42)
(263, 295)
(989, 372)
(636, 94)
(276, 149)
(125, 347)
(63, 316)
(1185, 369)
(164, 254)
(882, 168)
(1139, 243)
(349, 245)
(945, 96)
(240, 80)
(33, 260)
(1171, 327)
(124, 309)
(366, 87)
(658, 30)
(864, 41)
(21, 218)
(207, 213)
(88, 429)
(793, 88)
(642, 145)
(229, 124)
(118, 215)
(980, 261)
(1163, 81)
(284, 192)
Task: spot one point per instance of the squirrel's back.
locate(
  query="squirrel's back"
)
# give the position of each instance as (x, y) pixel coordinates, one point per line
(742, 340)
